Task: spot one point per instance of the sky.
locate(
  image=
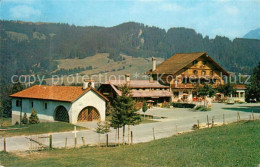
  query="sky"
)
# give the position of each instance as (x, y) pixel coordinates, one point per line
(230, 18)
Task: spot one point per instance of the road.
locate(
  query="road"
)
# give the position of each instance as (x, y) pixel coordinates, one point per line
(182, 118)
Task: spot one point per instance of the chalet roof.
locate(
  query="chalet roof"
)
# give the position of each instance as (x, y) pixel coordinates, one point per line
(141, 84)
(240, 86)
(56, 93)
(138, 83)
(179, 61)
(151, 93)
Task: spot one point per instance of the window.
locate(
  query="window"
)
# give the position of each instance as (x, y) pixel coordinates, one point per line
(18, 103)
(211, 72)
(194, 62)
(195, 72)
(32, 104)
(176, 94)
(203, 72)
(45, 106)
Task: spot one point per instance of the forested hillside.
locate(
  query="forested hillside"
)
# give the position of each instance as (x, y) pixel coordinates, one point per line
(31, 48)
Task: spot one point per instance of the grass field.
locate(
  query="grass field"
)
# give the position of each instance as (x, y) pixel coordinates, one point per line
(235, 144)
(44, 127)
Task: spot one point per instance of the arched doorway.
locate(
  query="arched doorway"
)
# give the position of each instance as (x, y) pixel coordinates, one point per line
(88, 114)
(61, 114)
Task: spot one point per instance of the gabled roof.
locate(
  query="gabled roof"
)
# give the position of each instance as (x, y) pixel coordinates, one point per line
(137, 83)
(56, 93)
(179, 61)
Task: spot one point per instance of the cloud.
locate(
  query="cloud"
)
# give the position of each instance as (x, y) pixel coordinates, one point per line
(24, 12)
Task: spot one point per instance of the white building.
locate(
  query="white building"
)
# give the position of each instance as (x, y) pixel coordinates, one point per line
(60, 103)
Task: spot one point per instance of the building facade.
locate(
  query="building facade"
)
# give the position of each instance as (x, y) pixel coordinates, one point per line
(186, 71)
(60, 103)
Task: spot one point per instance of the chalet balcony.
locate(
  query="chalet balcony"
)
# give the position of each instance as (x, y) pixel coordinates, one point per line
(190, 85)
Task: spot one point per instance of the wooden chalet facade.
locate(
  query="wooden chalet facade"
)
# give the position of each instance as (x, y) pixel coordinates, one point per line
(185, 71)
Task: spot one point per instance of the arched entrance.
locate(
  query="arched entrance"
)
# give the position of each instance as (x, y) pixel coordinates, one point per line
(88, 114)
(61, 114)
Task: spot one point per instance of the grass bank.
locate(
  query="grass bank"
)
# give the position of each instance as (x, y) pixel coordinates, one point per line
(235, 144)
(43, 127)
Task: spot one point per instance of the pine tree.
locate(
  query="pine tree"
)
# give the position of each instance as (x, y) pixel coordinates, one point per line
(25, 119)
(33, 119)
(144, 108)
(124, 112)
(253, 89)
(102, 128)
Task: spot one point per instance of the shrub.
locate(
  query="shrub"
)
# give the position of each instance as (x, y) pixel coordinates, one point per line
(33, 119)
(25, 119)
(183, 105)
(165, 105)
(202, 108)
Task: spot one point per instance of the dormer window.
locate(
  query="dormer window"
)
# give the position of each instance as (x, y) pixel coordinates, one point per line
(203, 72)
(194, 62)
(195, 72)
(211, 73)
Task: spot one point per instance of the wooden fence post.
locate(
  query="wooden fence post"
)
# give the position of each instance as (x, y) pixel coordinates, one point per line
(198, 124)
(208, 120)
(4, 145)
(107, 139)
(50, 141)
(212, 122)
(153, 135)
(131, 137)
(66, 141)
(83, 141)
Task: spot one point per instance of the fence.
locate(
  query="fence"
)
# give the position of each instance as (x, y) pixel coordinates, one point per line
(135, 135)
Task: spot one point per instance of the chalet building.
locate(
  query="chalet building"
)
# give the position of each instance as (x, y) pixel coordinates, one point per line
(184, 72)
(60, 103)
(140, 90)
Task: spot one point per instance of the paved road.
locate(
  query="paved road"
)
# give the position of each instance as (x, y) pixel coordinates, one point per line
(183, 118)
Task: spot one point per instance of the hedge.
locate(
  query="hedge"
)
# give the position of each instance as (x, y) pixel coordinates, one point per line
(183, 105)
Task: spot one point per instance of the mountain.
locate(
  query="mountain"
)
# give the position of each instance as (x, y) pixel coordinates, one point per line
(253, 34)
(34, 48)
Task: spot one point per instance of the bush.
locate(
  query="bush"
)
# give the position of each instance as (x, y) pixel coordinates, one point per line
(202, 108)
(25, 119)
(183, 105)
(165, 105)
(34, 118)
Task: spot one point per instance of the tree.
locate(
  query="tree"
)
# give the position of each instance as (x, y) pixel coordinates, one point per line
(124, 112)
(206, 90)
(25, 119)
(33, 119)
(226, 89)
(102, 128)
(6, 100)
(144, 108)
(253, 89)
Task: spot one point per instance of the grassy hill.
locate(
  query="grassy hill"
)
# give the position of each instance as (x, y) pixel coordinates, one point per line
(235, 144)
(102, 64)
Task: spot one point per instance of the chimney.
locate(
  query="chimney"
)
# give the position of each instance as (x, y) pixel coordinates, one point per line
(127, 78)
(88, 83)
(154, 63)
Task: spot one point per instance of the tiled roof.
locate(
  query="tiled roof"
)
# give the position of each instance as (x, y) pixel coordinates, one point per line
(56, 93)
(240, 86)
(138, 83)
(179, 61)
(151, 93)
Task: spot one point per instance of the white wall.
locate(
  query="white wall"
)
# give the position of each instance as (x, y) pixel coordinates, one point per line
(39, 106)
(89, 99)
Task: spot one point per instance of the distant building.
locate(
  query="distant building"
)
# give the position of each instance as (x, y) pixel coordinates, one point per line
(60, 103)
(140, 90)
